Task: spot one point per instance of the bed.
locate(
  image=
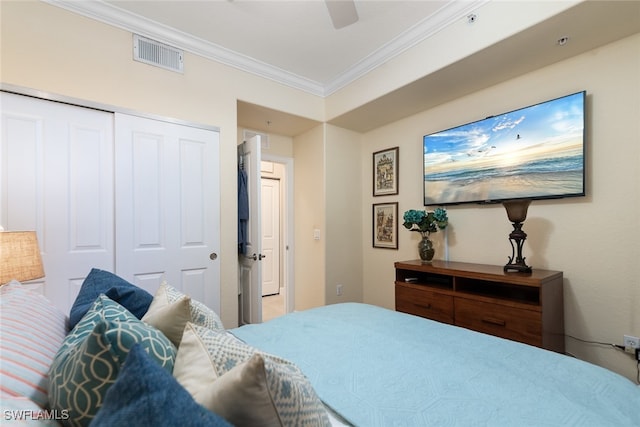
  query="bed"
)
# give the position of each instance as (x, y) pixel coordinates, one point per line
(125, 357)
(377, 367)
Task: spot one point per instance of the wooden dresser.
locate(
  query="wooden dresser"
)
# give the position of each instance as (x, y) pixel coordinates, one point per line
(525, 307)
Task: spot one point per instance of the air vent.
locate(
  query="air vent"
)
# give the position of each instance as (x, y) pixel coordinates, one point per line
(155, 53)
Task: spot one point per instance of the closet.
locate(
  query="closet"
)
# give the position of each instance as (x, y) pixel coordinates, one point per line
(134, 195)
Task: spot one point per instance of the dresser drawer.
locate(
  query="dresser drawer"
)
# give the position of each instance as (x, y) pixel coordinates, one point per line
(502, 321)
(424, 303)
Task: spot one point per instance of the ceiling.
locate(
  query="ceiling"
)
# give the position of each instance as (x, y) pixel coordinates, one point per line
(294, 42)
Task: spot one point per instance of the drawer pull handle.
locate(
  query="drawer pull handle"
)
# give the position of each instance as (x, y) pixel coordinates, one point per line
(497, 322)
(427, 306)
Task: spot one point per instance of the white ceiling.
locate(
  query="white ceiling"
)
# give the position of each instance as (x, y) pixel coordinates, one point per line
(294, 42)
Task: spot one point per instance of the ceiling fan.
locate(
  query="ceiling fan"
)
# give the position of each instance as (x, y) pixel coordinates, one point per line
(342, 12)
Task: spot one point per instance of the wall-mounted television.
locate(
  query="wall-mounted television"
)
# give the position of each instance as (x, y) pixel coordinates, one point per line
(536, 152)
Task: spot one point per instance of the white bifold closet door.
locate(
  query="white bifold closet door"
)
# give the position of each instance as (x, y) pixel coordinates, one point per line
(131, 195)
(168, 206)
(57, 179)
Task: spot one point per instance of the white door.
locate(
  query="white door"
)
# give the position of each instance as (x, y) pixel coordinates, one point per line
(250, 262)
(56, 177)
(270, 236)
(167, 206)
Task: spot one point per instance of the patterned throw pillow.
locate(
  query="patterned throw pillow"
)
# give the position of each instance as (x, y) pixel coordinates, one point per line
(245, 386)
(148, 394)
(200, 314)
(131, 297)
(32, 332)
(90, 357)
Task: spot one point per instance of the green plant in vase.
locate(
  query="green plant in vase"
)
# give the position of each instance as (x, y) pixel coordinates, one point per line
(426, 223)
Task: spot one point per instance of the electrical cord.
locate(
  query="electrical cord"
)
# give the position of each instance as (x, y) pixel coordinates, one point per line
(608, 344)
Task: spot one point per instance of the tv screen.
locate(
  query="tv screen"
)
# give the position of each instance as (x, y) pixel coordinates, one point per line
(536, 152)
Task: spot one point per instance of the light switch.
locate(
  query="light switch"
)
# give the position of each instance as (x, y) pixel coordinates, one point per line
(316, 234)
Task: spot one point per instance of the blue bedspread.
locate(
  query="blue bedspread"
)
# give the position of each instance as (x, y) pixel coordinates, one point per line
(378, 367)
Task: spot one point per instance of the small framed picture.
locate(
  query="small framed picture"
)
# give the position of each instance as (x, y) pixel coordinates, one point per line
(385, 225)
(385, 172)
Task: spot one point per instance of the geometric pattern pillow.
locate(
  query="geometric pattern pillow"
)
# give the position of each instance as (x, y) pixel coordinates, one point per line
(128, 295)
(90, 357)
(200, 314)
(32, 331)
(244, 385)
(145, 395)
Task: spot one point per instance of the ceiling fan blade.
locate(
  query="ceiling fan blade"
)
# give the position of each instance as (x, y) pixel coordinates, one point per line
(342, 12)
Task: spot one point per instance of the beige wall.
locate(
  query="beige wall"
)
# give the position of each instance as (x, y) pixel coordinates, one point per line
(344, 189)
(593, 240)
(57, 52)
(309, 203)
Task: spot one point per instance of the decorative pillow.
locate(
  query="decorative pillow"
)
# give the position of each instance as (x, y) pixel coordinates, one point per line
(200, 314)
(131, 297)
(146, 393)
(32, 332)
(244, 385)
(170, 318)
(89, 359)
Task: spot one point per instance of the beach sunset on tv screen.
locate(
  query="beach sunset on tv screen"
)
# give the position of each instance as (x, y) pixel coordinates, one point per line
(534, 152)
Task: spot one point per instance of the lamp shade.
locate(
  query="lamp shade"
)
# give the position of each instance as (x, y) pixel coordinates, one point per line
(517, 209)
(19, 256)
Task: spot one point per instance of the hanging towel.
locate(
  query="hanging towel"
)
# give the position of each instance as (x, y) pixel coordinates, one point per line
(243, 210)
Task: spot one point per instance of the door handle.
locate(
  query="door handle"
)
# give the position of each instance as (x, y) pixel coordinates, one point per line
(213, 256)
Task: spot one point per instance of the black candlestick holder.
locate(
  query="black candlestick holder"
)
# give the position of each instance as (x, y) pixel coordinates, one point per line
(517, 213)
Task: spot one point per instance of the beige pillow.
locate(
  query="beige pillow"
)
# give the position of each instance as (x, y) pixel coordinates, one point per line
(242, 395)
(200, 314)
(169, 318)
(244, 385)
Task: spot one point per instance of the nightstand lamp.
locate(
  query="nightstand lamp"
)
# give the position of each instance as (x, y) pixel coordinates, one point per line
(19, 256)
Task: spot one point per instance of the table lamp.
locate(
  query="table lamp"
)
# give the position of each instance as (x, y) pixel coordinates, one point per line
(19, 256)
(517, 213)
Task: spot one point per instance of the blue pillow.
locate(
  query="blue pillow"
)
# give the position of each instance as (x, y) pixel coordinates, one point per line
(131, 297)
(90, 358)
(148, 394)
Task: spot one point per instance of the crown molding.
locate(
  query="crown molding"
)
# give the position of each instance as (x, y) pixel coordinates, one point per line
(421, 31)
(112, 15)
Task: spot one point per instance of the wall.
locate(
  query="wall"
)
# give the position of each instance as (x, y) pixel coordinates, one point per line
(309, 206)
(57, 52)
(344, 189)
(593, 240)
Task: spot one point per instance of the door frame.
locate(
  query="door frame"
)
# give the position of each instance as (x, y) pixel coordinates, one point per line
(289, 241)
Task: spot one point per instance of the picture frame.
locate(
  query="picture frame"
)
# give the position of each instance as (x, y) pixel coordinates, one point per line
(385, 225)
(385, 172)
